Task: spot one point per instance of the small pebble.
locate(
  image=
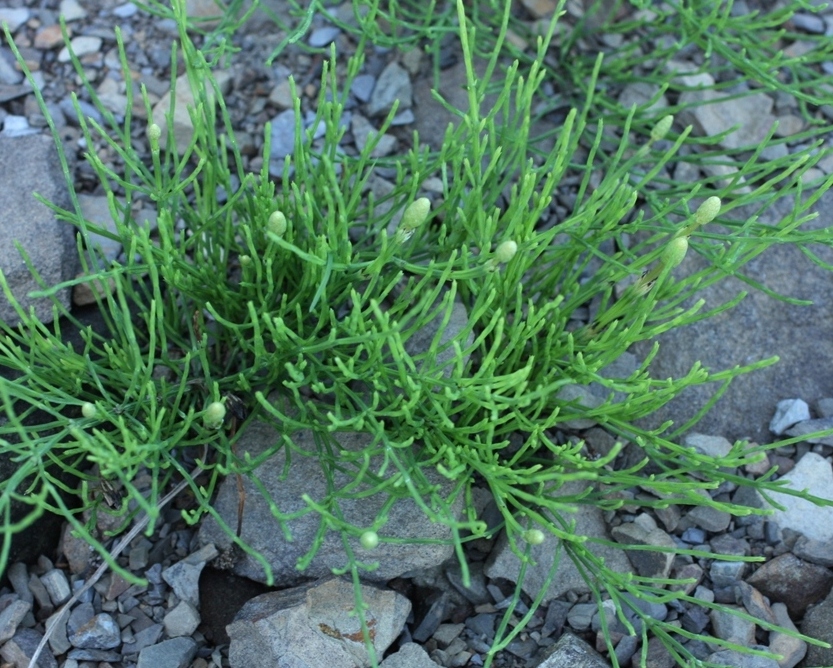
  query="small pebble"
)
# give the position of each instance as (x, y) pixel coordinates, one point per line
(125, 11)
(323, 36)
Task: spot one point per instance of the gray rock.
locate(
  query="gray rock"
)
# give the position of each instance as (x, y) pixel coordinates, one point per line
(815, 551)
(695, 619)
(261, 531)
(432, 618)
(447, 633)
(728, 544)
(595, 394)
(88, 111)
(482, 625)
(583, 397)
(314, 625)
(787, 413)
(657, 611)
(824, 407)
(31, 163)
(125, 11)
(364, 131)
(729, 657)
(146, 637)
(57, 586)
(434, 118)
(17, 126)
(283, 140)
(626, 648)
(791, 649)
(476, 593)
(363, 86)
(410, 655)
(811, 426)
(81, 615)
(72, 10)
(39, 592)
(811, 23)
(693, 572)
(648, 563)
(702, 593)
(14, 17)
(77, 551)
(572, 652)
(173, 653)
(403, 118)
(9, 76)
(393, 84)
(608, 617)
(726, 625)
(772, 533)
(100, 632)
(713, 446)
(82, 45)
(418, 344)
(10, 618)
(641, 93)
(708, 518)
(658, 655)
(96, 209)
(726, 573)
(787, 579)
(183, 620)
(323, 36)
(503, 563)
(755, 602)
(736, 337)
(94, 655)
(711, 113)
(20, 649)
(693, 536)
(813, 473)
(58, 641)
(555, 618)
(818, 624)
(183, 127)
(19, 579)
(581, 615)
(184, 576)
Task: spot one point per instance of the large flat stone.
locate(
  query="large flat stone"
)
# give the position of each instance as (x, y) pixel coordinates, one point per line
(305, 475)
(29, 165)
(503, 563)
(814, 474)
(759, 327)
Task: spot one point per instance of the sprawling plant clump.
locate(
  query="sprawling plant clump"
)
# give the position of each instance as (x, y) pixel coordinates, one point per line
(315, 288)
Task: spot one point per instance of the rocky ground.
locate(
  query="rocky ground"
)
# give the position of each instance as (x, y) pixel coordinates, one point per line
(183, 617)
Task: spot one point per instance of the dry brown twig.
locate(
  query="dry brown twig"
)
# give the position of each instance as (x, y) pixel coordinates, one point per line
(117, 550)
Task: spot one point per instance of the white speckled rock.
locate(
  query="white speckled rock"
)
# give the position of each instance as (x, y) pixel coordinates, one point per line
(788, 413)
(814, 474)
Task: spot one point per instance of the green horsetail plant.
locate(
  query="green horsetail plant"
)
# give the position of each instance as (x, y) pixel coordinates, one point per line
(296, 302)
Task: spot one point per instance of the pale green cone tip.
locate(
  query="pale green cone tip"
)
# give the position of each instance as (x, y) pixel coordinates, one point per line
(661, 128)
(506, 251)
(276, 223)
(215, 412)
(707, 211)
(369, 540)
(534, 536)
(415, 214)
(674, 252)
(154, 132)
